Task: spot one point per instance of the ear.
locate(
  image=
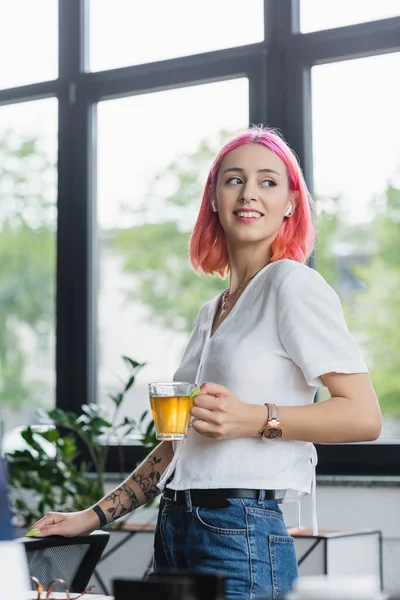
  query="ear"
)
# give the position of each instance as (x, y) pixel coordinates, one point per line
(214, 205)
(289, 211)
(293, 199)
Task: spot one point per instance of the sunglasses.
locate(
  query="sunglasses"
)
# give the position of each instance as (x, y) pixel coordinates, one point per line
(42, 594)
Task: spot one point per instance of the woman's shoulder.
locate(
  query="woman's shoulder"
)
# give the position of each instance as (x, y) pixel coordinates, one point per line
(297, 279)
(287, 270)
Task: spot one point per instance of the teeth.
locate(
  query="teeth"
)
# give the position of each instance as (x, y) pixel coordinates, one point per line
(248, 214)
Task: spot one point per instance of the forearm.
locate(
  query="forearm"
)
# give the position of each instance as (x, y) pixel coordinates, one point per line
(333, 421)
(139, 487)
(336, 420)
(351, 414)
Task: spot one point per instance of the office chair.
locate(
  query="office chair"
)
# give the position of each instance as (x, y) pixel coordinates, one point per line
(73, 559)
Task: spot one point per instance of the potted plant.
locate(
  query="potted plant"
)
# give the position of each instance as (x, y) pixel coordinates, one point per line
(63, 467)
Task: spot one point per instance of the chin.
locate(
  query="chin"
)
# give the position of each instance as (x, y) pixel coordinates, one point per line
(248, 237)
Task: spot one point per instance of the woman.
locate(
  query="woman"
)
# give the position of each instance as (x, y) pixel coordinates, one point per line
(259, 350)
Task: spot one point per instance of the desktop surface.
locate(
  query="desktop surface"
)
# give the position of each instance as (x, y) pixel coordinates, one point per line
(62, 596)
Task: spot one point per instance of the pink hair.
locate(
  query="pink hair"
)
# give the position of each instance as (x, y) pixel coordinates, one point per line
(295, 240)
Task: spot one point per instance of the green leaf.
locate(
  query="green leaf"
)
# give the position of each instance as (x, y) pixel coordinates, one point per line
(20, 505)
(150, 428)
(117, 399)
(143, 417)
(129, 384)
(133, 363)
(52, 435)
(29, 437)
(63, 418)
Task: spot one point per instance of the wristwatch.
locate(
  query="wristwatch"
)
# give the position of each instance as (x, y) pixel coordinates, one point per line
(271, 430)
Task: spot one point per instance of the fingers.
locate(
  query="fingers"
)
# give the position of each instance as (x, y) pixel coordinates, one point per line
(209, 416)
(213, 389)
(50, 518)
(50, 524)
(207, 429)
(57, 529)
(214, 410)
(207, 402)
(45, 531)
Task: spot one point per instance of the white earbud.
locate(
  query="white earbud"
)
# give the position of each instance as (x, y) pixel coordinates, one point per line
(289, 211)
(214, 206)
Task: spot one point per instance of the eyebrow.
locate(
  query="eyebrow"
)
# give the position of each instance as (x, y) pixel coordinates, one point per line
(258, 171)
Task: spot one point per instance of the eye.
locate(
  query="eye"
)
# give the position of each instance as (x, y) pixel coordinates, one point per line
(234, 181)
(268, 183)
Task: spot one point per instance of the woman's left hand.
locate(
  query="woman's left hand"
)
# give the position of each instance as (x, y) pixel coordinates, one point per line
(220, 414)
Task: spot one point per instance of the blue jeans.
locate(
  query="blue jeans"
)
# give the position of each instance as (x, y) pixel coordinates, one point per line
(247, 541)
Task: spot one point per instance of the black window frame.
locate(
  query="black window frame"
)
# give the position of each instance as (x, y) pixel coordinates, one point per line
(279, 73)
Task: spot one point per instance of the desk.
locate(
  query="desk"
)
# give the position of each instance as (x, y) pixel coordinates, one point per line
(130, 530)
(340, 553)
(62, 596)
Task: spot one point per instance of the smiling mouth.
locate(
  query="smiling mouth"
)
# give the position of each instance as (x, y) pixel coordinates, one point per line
(248, 214)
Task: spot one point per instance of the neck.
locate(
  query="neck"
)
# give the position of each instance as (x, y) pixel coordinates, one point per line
(245, 263)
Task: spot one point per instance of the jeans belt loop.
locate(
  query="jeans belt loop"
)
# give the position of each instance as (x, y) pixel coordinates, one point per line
(261, 497)
(188, 499)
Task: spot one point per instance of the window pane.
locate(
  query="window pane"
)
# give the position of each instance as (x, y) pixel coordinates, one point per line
(28, 146)
(316, 15)
(28, 42)
(133, 33)
(151, 175)
(357, 185)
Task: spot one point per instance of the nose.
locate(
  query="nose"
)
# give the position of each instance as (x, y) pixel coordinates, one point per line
(246, 198)
(248, 193)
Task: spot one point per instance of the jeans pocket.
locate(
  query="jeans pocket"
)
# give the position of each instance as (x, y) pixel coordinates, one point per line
(283, 564)
(219, 520)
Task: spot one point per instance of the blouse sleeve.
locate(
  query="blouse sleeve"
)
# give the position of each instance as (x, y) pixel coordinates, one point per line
(312, 327)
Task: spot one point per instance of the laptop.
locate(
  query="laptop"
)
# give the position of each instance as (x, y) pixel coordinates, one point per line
(6, 528)
(14, 575)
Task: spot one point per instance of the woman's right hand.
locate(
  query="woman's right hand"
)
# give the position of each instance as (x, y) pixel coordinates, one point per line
(66, 524)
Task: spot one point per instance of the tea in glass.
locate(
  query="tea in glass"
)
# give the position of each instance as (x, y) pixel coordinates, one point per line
(170, 406)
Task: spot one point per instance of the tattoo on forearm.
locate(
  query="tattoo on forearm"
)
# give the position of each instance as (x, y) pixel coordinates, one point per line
(148, 477)
(124, 499)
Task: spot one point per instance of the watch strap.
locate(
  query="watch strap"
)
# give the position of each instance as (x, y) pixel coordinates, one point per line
(272, 423)
(272, 412)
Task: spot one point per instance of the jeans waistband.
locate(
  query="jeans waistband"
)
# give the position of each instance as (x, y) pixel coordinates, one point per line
(216, 498)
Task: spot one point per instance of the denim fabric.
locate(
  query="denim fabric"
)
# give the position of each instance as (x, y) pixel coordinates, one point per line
(247, 541)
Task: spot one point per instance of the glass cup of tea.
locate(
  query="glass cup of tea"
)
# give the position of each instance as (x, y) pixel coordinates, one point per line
(170, 406)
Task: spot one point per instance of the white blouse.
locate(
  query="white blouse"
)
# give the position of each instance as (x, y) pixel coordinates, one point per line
(285, 331)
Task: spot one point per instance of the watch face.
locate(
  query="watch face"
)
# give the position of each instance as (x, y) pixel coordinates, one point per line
(272, 433)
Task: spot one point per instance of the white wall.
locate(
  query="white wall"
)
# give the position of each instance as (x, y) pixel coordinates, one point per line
(345, 507)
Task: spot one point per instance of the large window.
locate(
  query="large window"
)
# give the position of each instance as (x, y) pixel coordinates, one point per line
(28, 42)
(28, 220)
(316, 15)
(132, 33)
(141, 94)
(357, 187)
(150, 182)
